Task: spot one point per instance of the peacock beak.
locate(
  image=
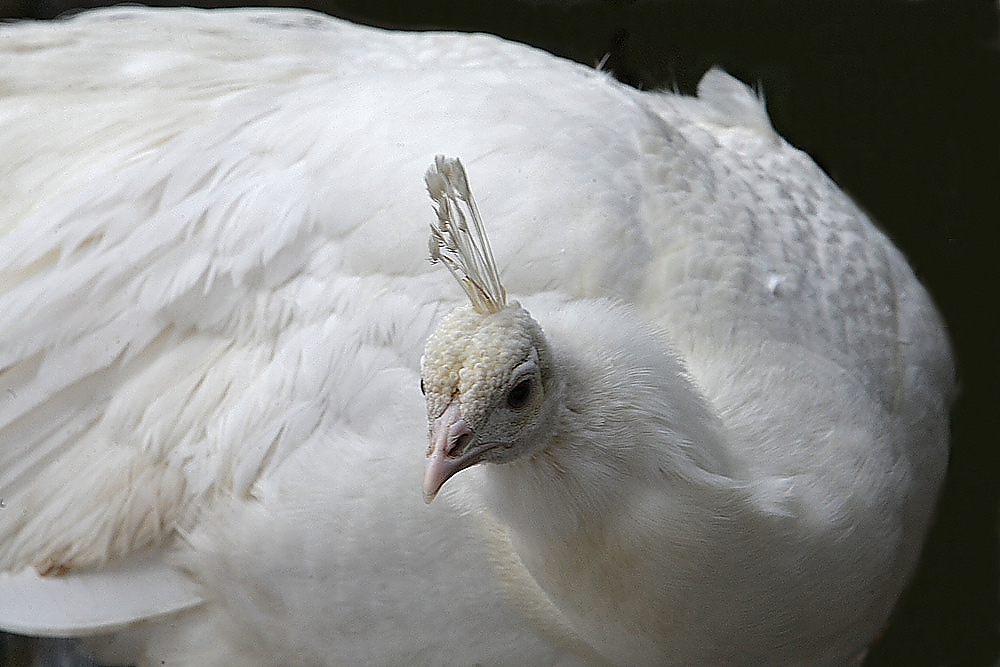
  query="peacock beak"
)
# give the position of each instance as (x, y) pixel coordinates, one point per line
(450, 450)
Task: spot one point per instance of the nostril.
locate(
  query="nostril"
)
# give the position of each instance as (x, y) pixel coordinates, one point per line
(458, 442)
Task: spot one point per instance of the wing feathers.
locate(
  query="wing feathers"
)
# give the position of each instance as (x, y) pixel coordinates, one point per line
(93, 602)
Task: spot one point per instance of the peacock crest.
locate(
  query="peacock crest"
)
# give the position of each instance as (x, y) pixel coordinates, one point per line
(464, 249)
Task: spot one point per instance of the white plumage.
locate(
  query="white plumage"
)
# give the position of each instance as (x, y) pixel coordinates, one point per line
(214, 297)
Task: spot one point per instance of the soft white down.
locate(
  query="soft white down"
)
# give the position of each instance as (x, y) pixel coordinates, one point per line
(217, 316)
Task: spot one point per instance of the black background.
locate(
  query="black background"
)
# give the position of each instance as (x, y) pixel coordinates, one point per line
(900, 103)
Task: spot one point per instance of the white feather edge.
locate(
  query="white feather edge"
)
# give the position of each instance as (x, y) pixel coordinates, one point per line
(736, 104)
(93, 602)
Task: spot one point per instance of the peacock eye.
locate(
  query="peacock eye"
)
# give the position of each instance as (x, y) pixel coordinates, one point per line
(423, 389)
(517, 397)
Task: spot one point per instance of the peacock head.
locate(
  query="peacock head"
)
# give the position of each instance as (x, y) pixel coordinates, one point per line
(486, 369)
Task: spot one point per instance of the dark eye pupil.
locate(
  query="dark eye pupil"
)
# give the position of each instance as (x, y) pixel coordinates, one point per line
(518, 396)
(423, 390)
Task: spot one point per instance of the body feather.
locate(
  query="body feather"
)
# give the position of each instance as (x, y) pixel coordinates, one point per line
(213, 301)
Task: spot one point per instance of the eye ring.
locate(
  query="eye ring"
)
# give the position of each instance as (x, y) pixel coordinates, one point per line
(519, 394)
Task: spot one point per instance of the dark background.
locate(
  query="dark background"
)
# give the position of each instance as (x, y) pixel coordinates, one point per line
(900, 102)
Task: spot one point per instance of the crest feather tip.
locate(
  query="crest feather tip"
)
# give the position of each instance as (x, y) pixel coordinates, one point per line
(463, 248)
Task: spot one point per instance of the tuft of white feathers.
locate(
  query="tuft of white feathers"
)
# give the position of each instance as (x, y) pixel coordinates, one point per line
(463, 250)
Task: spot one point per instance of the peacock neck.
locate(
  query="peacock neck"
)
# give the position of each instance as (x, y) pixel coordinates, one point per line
(630, 425)
(611, 516)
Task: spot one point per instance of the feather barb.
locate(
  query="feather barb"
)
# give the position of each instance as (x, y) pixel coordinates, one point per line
(463, 248)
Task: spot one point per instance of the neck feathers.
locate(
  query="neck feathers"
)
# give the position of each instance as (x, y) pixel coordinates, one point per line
(630, 421)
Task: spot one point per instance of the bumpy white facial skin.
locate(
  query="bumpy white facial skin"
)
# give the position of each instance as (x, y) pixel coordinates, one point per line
(486, 378)
(472, 356)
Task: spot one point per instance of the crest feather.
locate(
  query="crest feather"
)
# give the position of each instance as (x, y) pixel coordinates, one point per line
(464, 249)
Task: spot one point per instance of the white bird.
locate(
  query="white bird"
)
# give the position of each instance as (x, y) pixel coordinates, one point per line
(710, 430)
